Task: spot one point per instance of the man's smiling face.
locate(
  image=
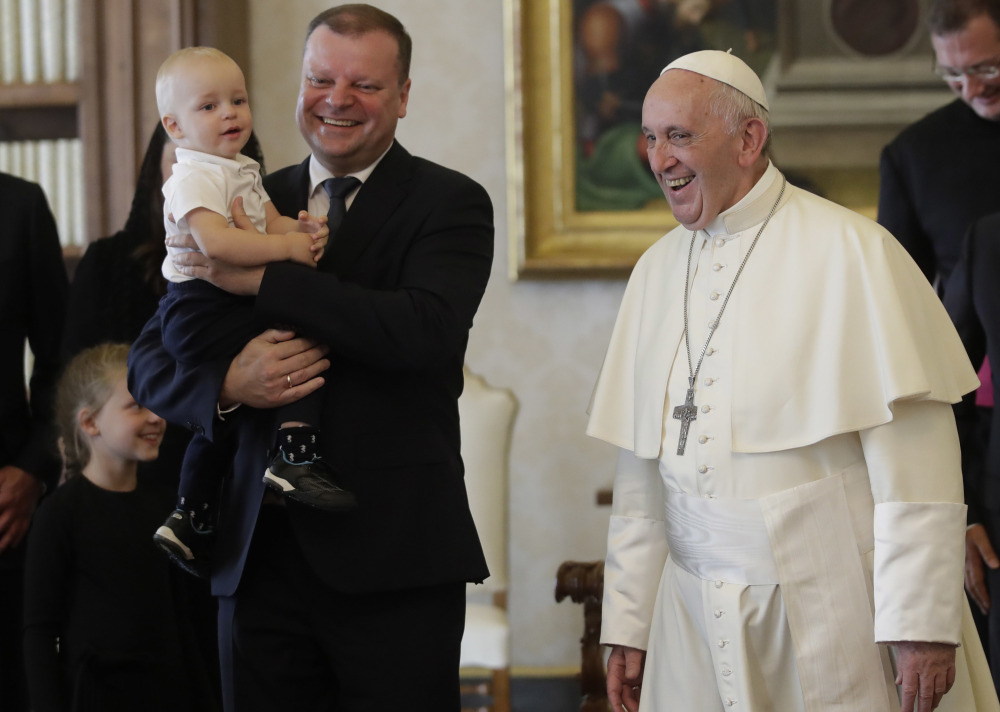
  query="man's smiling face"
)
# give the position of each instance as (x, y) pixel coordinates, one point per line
(694, 158)
(350, 98)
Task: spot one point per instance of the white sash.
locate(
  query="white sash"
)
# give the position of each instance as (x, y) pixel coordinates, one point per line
(808, 540)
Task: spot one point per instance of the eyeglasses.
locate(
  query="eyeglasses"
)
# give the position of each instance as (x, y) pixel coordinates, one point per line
(983, 70)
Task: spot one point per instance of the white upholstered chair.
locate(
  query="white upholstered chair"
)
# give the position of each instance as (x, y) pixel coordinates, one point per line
(487, 419)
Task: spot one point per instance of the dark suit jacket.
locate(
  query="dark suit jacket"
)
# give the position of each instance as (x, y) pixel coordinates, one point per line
(972, 299)
(394, 298)
(936, 178)
(33, 288)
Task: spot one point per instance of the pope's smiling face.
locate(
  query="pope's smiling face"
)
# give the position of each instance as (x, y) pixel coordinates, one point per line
(351, 97)
(696, 161)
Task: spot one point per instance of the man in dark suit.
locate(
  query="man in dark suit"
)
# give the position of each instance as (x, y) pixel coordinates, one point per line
(973, 303)
(938, 175)
(936, 178)
(33, 289)
(315, 599)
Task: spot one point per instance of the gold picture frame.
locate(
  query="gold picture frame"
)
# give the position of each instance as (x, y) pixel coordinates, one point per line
(548, 235)
(832, 110)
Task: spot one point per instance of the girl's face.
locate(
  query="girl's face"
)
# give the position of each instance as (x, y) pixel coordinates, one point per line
(125, 430)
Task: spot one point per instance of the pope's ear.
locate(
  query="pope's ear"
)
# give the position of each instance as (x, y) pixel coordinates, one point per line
(754, 139)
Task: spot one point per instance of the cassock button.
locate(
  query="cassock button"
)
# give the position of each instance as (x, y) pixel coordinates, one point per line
(719, 584)
(723, 643)
(706, 408)
(709, 381)
(714, 296)
(709, 351)
(726, 672)
(718, 612)
(716, 267)
(702, 439)
(719, 242)
(703, 469)
(730, 702)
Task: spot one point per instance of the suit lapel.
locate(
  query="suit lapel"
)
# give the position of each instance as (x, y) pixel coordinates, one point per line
(375, 202)
(288, 188)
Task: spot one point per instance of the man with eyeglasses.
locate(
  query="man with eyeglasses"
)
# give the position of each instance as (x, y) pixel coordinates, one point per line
(938, 175)
(937, 178)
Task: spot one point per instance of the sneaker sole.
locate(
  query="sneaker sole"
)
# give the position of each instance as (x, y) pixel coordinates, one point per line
(284, 487)
(168, 541)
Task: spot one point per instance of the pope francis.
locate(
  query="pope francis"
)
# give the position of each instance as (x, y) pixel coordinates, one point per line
(787, 530)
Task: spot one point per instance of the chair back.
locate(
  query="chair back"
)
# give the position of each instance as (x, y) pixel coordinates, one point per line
(487, 418)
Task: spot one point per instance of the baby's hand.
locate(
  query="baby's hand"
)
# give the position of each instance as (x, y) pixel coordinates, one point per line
(316, 227)
(300, 248)
(311, 224)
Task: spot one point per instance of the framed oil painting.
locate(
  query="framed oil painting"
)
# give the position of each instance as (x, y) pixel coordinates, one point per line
(842, 76)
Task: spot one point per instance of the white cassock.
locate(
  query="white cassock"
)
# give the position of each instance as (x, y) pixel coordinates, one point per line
(817, 511)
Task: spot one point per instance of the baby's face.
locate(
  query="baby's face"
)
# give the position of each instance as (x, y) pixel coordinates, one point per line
(211, 111)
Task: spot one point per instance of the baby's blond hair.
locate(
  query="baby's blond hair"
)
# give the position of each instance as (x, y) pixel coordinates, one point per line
(169, 69)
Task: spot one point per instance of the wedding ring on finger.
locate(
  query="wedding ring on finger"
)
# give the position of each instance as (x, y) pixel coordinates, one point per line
(288, 379)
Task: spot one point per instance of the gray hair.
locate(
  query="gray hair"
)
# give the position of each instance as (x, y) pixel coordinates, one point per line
(734, 108)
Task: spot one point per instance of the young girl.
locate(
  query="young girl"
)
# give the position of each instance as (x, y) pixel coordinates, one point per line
(103, 629)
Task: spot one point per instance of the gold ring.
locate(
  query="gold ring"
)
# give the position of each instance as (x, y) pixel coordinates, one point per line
(288, 379)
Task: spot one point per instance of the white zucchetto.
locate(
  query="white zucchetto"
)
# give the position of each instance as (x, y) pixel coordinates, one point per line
(723, 67)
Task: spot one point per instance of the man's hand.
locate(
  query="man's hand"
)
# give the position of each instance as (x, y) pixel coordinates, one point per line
(19, 493)
(978, 551)
(274, 369)
(625, 677)
(315, 227)
(925, 672)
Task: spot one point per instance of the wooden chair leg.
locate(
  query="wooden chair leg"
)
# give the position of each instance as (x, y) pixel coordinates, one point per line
(501, 690)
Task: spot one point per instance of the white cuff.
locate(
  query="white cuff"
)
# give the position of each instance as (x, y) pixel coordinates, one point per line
(221, 414)
(919, 571)
(637, 551)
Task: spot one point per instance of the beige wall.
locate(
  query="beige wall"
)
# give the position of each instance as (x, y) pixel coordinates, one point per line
(543, 340)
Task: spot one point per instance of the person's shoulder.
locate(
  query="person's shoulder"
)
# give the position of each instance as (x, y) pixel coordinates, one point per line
(10, 182)
(119, 243)
(830, 218)
(931, 125)
(22, 196)
(431, 171)
(61, 501)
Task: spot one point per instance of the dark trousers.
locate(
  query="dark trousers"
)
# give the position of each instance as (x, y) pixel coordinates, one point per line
(201, 323)
(13, 685)
(299, 645)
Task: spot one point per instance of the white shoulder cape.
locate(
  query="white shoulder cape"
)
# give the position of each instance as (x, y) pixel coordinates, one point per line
(834, 323)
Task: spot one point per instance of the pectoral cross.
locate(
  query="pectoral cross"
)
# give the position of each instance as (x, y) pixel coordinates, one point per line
(686, 413)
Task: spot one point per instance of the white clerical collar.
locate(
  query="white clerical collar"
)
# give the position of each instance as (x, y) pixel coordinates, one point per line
(318, 172)
(751, 210)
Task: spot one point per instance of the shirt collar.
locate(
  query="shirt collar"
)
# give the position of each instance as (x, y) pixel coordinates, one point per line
(318, 172)
(240, 163)
(751, 210)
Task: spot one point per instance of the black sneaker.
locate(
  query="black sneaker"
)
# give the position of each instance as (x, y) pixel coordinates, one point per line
(187, 545)
(309, 483)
